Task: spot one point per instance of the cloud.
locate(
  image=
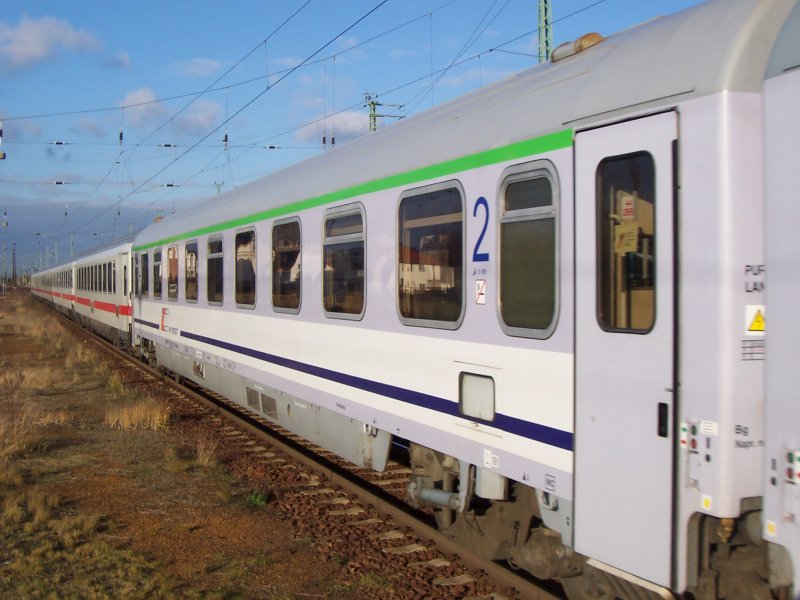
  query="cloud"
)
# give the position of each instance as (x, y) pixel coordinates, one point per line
(200, 118)
(51, 153)
(401, 53)
(197, 67)
(347, 42)
(472, 78)
(21, 128)
(142, 110)
(346, 125)
(120, 60)
(33, 41)
(89, 127)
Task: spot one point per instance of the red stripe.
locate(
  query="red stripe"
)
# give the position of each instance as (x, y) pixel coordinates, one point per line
(125, 311)
(84, 301)
(106, 306)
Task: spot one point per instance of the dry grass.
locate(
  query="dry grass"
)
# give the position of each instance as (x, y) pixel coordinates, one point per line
(206, 452)
(80, 354)
(22, 429)
(10, 378)
(43, 379)
(50, 553)
(147, 413)
(101, 369)
(39, 378)
(116, 384)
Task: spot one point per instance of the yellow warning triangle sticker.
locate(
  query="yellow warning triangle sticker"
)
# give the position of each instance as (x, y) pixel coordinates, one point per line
(758, 323)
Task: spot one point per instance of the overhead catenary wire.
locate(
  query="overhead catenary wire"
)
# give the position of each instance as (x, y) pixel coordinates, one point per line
(264, 142)
(254, 99)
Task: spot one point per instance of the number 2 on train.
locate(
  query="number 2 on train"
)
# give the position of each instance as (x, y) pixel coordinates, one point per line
(478, 256)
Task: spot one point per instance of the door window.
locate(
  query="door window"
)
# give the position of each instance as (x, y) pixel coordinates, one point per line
(626, 243)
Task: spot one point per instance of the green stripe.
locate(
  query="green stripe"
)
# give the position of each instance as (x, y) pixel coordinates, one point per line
(539, 145)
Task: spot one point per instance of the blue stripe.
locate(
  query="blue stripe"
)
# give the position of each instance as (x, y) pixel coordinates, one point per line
(534, 431)
(147, 323)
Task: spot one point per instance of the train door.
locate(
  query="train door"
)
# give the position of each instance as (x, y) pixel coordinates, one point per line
(625, 340)
(781, 519)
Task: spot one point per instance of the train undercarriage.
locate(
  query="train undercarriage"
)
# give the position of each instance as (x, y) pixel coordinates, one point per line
(728, 558)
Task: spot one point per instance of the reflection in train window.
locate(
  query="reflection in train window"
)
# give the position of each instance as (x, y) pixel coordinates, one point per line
(528, 243)
(190, 264)
(145, 278)
(172, 272)
(626, 243)
(157, 273)
(286, 261)
(214, 281)
(245, 272)
(430, 254)
(343, 262)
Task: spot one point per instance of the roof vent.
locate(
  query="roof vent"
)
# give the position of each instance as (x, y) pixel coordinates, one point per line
(582, 43)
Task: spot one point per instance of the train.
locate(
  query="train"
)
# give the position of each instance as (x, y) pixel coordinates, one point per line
(552, 289)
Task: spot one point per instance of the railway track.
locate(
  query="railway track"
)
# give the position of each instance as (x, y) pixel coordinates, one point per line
(355, 515)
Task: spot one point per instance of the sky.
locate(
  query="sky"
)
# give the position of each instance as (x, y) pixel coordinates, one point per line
(174, 80)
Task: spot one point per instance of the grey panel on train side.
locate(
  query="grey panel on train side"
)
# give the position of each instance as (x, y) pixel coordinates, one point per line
(354, 441)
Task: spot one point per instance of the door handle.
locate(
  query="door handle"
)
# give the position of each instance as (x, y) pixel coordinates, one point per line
(663, 419)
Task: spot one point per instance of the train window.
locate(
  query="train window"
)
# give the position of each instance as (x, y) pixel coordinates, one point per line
(157, 273)
(172, 272)
(286, 261)
(214, 281)
(343, 262)
(145, 273)
(136, 283)
(431, 257)
(528, 243)
(107, 278)
(626, 243)
(245, 272)
(190, 264)
(113, 277)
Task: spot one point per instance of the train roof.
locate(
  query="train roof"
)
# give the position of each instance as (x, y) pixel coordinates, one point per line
(97, 253)
(786, 54)
(716, 46)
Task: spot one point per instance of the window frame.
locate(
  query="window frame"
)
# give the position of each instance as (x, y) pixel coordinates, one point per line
(216, 255)
(170, 296)
(275, 226)
(514, 174)
(335, 213)
(237, 233)
(420, 191)
(599, 255)
(145, 273)
(158, 272)
(186, 271)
